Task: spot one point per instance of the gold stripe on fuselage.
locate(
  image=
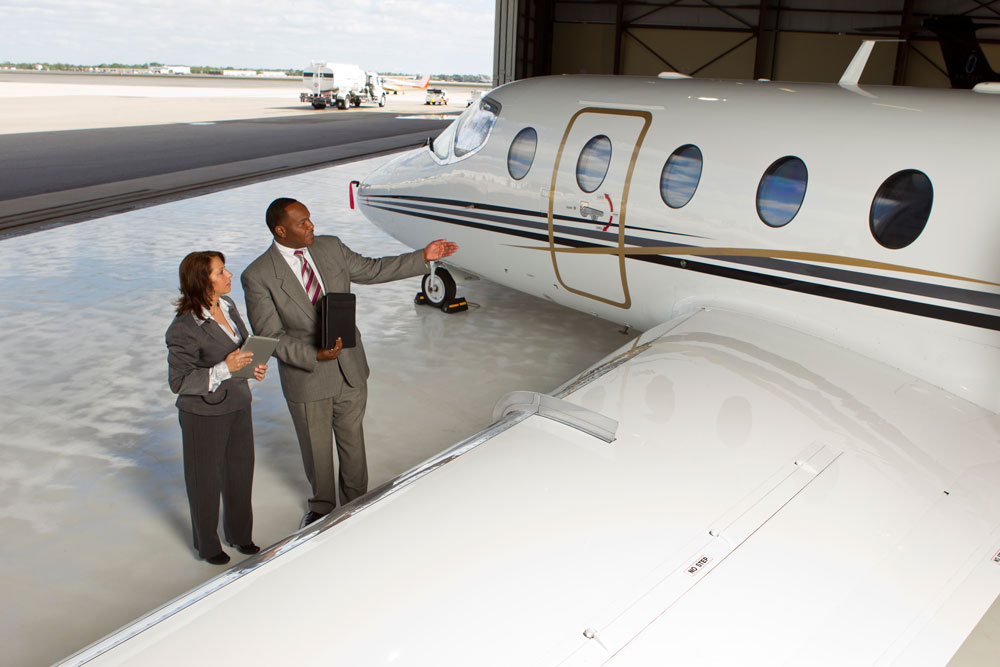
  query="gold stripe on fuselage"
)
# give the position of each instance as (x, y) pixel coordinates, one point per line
(756, 252)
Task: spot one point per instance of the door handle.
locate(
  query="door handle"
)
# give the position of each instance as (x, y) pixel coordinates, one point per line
(590, 212)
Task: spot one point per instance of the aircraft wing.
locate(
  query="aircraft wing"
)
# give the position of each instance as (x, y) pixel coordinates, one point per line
(721, 491)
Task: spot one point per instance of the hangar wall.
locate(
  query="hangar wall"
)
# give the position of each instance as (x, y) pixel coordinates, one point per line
(775, 39)
(589, 49)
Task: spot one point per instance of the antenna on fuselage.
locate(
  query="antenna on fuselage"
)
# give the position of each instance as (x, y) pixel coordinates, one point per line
(852, 75)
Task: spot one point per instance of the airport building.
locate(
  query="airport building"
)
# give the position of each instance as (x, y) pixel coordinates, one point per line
(170, 69)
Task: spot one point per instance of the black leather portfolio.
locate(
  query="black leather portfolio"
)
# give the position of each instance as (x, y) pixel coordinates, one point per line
(336, 319)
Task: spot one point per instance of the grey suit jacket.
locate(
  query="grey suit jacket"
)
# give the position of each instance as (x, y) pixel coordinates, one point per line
(193, 349)
(277, 307)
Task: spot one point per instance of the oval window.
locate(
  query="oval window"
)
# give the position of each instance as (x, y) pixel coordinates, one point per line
(781, 191)
(522, 153)
(474, 126)
(901, 208)
(680, 176)
(592, 165)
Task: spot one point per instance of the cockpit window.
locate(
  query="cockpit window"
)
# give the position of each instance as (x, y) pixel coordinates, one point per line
(680, 176)
(781, 191)
(442, 144)
(475, 125)
(592, 165)
(522, 153)
(900, 209)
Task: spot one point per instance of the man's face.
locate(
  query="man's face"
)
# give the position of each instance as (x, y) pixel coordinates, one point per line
(296, 229)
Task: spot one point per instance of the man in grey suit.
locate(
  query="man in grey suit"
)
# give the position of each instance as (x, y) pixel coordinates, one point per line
(326, 390)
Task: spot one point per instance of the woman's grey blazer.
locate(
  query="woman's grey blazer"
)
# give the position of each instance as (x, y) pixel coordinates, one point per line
(192, 349)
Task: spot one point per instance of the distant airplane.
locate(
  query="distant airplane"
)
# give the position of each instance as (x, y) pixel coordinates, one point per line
(796, 463)
(396, 84)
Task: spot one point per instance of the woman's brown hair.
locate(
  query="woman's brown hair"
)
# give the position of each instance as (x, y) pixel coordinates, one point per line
(196, 285)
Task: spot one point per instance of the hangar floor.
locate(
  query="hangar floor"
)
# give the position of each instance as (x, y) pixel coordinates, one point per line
(92, 502)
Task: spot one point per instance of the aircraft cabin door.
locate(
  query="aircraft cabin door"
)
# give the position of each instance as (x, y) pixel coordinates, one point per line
(588, 201)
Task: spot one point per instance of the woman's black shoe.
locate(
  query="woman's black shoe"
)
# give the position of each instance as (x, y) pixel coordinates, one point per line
(247, 548)
(220, 558)
(310, 517)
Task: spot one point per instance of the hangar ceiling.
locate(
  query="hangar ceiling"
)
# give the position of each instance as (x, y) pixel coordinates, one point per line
(782, 40)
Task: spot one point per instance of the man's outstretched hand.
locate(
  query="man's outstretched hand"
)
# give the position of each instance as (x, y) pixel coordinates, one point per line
(439, 249)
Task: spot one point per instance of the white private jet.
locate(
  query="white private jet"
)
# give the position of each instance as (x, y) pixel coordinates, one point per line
(797, 463)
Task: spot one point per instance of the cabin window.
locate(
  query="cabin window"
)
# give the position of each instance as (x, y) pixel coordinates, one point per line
(781, 191)
(592, 165)
(900, 209)
(475, 125)
(680, 176)
(522, 153)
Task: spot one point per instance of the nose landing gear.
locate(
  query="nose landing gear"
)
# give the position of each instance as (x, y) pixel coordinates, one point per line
(438, 289)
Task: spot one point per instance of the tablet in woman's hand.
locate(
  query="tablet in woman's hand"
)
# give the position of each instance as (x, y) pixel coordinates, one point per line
(262, 348)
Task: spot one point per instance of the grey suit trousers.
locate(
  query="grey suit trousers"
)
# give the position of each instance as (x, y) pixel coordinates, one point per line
(317, 425)
(218, 457)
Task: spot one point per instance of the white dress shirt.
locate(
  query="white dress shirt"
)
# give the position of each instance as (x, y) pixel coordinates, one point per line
(219, 373)
(295, 263)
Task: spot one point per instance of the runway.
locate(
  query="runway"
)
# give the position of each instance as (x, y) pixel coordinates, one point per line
(118, 143)
(56, 101)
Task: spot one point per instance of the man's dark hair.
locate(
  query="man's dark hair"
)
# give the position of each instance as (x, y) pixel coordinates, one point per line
(276, 211)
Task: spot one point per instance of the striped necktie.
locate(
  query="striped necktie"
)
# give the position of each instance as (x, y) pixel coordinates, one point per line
(308, 278)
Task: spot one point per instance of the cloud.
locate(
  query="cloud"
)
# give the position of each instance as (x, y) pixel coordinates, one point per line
(443, 36)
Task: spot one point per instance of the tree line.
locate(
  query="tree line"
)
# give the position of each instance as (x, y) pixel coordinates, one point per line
(210, 70)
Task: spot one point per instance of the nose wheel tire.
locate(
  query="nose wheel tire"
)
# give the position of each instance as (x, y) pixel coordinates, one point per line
(439, 287)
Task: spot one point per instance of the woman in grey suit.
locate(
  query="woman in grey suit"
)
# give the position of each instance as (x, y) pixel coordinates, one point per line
(203, 344)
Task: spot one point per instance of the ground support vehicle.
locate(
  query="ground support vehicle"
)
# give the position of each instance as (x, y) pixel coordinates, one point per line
(340, 86)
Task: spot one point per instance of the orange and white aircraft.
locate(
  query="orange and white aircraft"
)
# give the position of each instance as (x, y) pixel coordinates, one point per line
(796, 463)
(395, 84)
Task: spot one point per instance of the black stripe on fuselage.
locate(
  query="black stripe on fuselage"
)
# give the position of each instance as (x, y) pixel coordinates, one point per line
(472, 206)
(901, 285)
(398, 204)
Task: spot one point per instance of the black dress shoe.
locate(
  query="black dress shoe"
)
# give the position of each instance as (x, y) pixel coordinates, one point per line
(220, 558)
(247, 548)
(310, 517)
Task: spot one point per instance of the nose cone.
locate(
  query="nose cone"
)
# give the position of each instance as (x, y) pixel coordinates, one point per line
(394, 173)
(384, 195)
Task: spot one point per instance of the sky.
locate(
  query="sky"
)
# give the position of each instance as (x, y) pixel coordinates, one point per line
(412, 36)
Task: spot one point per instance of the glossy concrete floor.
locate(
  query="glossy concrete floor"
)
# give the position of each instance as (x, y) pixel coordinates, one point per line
(93, 511)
